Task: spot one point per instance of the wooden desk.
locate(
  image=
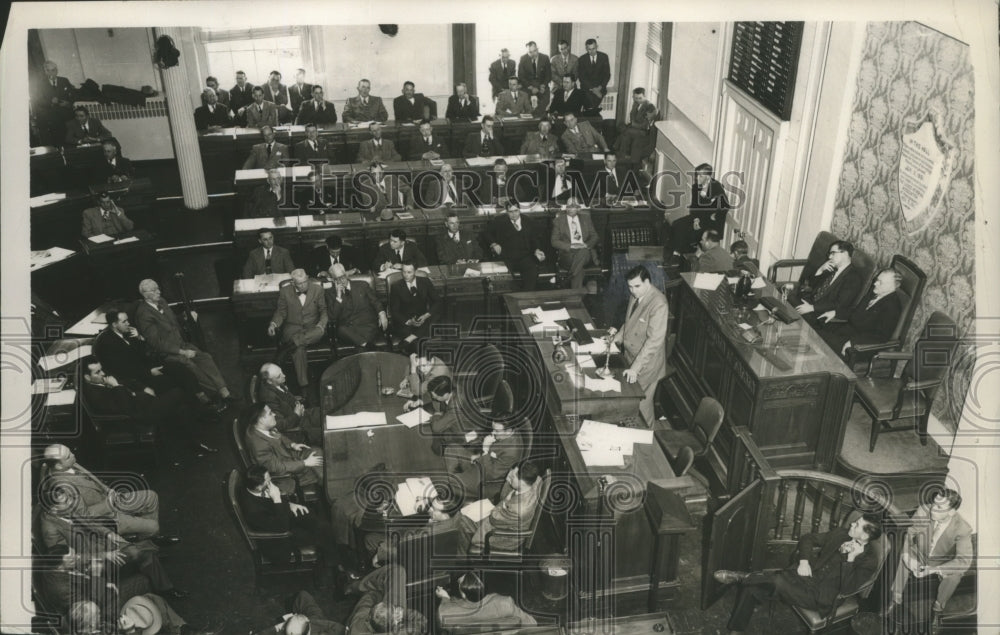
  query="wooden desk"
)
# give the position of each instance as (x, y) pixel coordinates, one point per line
(57, 224)
(48, 170)
(790, 390)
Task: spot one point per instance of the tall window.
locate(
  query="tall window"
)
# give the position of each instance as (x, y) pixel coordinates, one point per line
(654, 44)
(256, 52)
(493, 36)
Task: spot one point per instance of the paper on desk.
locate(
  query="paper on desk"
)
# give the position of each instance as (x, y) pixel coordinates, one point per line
(709, 281)
(555, 315)
(411, 493)
(60, 359)
(474, 161)
(602, 384)
(492, 268)
(409, 339)
(357, 420)
(471, 273)
(546, 327)
(130, 239)
(405, 392)
(46, 257)
(404, 215)
(597, 347)
(414, 418)
(486, 210)
(426, 270)
(40, 386)
(477, 510)
(586, 361)
(100, 238)
(62, 398)
(45, 199)
(599, 433)
(603, 458)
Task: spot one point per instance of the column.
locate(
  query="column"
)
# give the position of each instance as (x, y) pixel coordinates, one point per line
(182, 130)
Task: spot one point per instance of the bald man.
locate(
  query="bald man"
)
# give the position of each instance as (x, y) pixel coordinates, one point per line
(306, 618)
(301, 316)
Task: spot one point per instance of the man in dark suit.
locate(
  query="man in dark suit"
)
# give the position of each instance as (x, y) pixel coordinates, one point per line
(293, 417)
(848, 558)
(260, 112)
(52, 103)
(483, 143)
(365, 107)
(158, 324)
(574, 239)
(454, 247)
(268, 154)
(834, 287)
(559, 185)
(568, 99)
(610, 180)
(500, 186)
(377, 148)
(543, 143)
(240, 96)
(277, 93)
(333, 252)
(221, 93)
(502, 70)
(268, 258)
(108, 219)
(321, 198)
(411, 106)
(113, 168)
(395, 251)
(300, 91)
(594, 73)
(354, 309)
(279, 454)
(313, 146)
(428, 146)
(316, 110)
(461, 106)
(514, 239)
(211, 115)
(379, 195)
(873, 320)
(75, 578)
(268, 199)
(413, 304)
(301, 316)
(84, 129)
(534, 71)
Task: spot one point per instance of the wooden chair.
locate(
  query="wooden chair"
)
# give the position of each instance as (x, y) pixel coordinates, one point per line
(503, 400)
(691, 486)
(301, 559)
(911, 394)
(524, 538)
(287, 483)
(705, 426)
(478, 375)
(120, 435)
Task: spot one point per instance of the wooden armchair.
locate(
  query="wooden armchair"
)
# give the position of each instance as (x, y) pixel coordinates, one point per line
(120, 435)
(287, 483)
(495, 544)
(705, 425)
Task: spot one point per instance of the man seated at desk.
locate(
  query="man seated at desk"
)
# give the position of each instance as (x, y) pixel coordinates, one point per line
(268, 258)
(293, 417)
(711, 257)
(333, 252)
(211, 116)
(377, 148)
(221, 93)
(543, 143)
(482, 464)
(574, 239)
(423, 368)
(568, 99)
(559, 185)
(611, 179)
(448, 425)
(380, 195)
(453, 247)
(278, 454)
(317, 110)
(462, 106)
(354, 309)
(873, 320)
(518, 500)
(397, 250)
(107, 219)
(84, 129)
(445, 191)
(411, 106)
(833, 288)
(514, 239)
(313, 147)
(268, 154)
(301, 318)
(482, 143)
(365, 107)
(413, 304)
(114, 168)
(581, 138)
(427, 146)
(513, 102)
(260, 112)
(475, 607)
(318, 199)
(268, 200)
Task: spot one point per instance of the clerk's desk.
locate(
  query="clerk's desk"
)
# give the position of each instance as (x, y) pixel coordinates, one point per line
(791, 390)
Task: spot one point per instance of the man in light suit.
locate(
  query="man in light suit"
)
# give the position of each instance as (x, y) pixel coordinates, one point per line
(413, 304)
(642, 337)
(543, 143)
(502, 70)
(594, 72)
(107, 219)
(260, 112)
(580, 137)
(938, 542)
(377, 148)
(574, 239)
(513, 102)
(268, 258)
(428, 146)
(221, 93)
(354, 309)
(158, 324)
(445, 191)
(534, 71)
(300, 91)
(278, 453)
(316, 110)
(395, 251)
(291, 413)
(268, 154)
(711, 257)
(834, 287)
(518, 500)
(461, 106)
(301, 316)
(365, 107)
(564, 63)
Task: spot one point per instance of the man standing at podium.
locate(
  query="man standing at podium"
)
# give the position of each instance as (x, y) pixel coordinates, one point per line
(643, 337)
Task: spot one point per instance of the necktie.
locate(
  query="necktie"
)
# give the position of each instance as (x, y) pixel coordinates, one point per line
(613, 176)
(455, 237)
(427, 141)
(312, 144)
(451, 191)
(364, 101)
(269, 151)
(260, 110)
(576, 231)
(485, 150)
(346, 293)
(211, 109)
(824, 286)
(336, 260)
(85, 128)
(593, 59)
(464, 103)
(517, 225)
(53, 82)
(399, 254)
(320, 107)
(413, 290)
(576, 130)
(534, 66)
(632, 310)
(104, 215)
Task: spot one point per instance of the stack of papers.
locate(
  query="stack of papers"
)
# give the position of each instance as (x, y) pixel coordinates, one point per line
(61, 398)
(356, 420)
(130, 239)
(405, 215)
(605, 444)
(413, 418)
(492, 268)
(479, 161)
(708, 281)
(60, 359)
(413, 493)
(602, 384)
(477, 510)
(758, 282)
(40, 386)
(471, 273)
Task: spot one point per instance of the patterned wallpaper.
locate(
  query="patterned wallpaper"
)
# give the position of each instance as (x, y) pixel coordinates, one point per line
(908, 70)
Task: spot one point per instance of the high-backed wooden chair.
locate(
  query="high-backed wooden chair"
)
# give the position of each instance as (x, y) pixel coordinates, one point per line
(705, 426)
(287, 483)
(478, 375)
(524, 538)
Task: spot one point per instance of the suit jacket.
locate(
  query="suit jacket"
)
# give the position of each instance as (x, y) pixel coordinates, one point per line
(277, 96)
(282, 403)
(263, 514)
(403, 110)
(106, 400)
(512, 514)
(831, 573)
(103, 171)
(560, 67)
(294, 317)
(547, 185)
(308, 113)
(606, 185)
(203, 118)
(357, 111)
(435, 191)
(266, 116)
(303, 151)
(161, 330)
(643, 337)
(449, 252)
(410, 252)
(509, 104)
(264, 204)
(841, 293)
(457, 112)
(281, 262)
(91, 491)
(418, 147)
(44, 92)
(514, 245)
(491, 189)
(75, 134)
(587, 140)
(223, 96)
(952, 552)
(502, 456)
(313, 201)
(258, 158)
(715, 260)
(321, 261)
(359, 308)
(127, 360)
(275, 453)
(533, 144)
(561, 237)
(297, 96)
(418, 381)
(594, 75)
(368, 152)
(94, 223)
(527, 74)
(474, 145)
(458, 612)
(561, 105)
(403, 305)
(240, 97)
(500, 73)
(870, 326)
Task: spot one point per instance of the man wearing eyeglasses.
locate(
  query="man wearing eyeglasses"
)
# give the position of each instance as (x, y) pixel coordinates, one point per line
(833, 288)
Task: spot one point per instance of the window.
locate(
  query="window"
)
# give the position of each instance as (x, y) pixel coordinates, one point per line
(256, 52)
